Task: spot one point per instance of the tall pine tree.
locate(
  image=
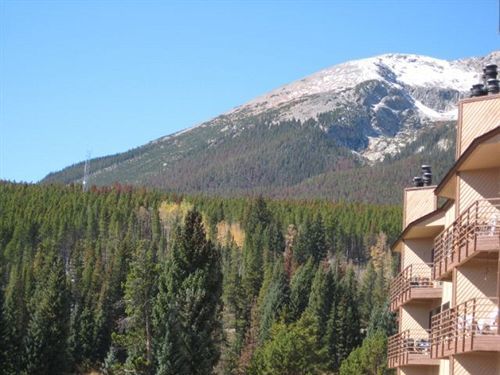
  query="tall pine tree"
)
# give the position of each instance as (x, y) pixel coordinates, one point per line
(188, 306)
(276, 299)
(344, 326)
(47, 332)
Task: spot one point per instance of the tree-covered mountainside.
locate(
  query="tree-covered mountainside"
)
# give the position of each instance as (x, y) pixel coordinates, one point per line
(122, 280)
(310, 137)
(383, 182)
(290, 161)
(264, 156)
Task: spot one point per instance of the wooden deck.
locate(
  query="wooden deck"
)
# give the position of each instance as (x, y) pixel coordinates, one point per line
(476, 232)
(414, 283)
(466, 344)
(414, 359)
(471, 326)
(416, 294)
(410, 348)
(482, 246)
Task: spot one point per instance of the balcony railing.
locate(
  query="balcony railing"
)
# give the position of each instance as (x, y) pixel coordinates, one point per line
(477, 229)
(409, 347)
(414, 282)
(469, 326)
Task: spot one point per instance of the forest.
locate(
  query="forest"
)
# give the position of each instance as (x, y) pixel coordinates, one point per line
(286, 159)
(122, 280)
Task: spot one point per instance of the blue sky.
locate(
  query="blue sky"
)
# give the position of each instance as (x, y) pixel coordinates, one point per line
(106, 76)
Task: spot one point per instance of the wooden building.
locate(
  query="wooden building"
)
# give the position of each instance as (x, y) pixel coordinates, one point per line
(446, 296)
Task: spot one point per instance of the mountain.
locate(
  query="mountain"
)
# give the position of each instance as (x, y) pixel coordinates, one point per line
(358, 122)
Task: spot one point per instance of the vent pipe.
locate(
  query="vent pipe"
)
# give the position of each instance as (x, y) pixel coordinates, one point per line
(490, 72)
(427, 179)
(426, 168)
(418, 182)
(493, 87)
(426, 175)
(490, 83)
(477, 90)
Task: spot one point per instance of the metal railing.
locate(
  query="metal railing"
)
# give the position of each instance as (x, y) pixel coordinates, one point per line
(459, 240)
(477, 316)
(406, 343)
(418, 275)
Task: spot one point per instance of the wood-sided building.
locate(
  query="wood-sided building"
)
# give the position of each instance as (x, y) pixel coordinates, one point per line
(446, 296)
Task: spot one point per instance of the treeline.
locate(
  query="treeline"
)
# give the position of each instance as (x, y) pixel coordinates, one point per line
(124, 280)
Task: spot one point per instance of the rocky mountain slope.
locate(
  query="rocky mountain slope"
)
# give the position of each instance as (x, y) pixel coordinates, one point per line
(337, 122)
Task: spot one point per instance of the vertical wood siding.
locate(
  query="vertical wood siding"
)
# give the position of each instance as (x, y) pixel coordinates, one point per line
(415, 316)
(449, 216)
(478, 184)
(476, 280)
(418, 202)
(477, 118)
(417, 251)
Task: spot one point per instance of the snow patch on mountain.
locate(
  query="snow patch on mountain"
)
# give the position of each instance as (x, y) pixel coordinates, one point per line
(444, 144)
(424, 71)
(434, 115)
(398, 70)
(394, 96)
(379, 147)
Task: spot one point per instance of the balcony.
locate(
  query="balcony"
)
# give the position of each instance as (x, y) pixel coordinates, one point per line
(414, 283)
(476, 233)
(468, 327)
(410, 347)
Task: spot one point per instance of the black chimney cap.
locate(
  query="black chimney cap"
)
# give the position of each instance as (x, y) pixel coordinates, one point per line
(490, 71)
(493, 86)
(427, 179)
(418, 181)
(490, 68)
(478, 90)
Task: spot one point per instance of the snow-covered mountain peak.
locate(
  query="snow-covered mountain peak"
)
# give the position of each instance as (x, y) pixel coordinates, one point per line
(424, 71)
(387, 98)
(395, 69)
(358, 112)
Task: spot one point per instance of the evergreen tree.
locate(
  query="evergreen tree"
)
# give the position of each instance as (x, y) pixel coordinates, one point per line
(100, 236)
(102, 322)
(140, 289)
(15, 317)
(253, 262)
(291, 349)
(321, 298)
(319, 241)
(301, 289)
(257, 214)
(47, 332)
(382, 319)
(304, 245)
(344, 327)
(276, 299)
(311, 241)
(174, 357)
(276, 241)
(187, 308)
(366, 294)
(81, 339)
(370, 358)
